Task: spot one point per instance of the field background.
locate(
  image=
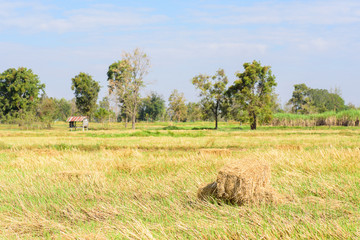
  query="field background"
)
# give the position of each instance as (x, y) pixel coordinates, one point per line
(115, 183)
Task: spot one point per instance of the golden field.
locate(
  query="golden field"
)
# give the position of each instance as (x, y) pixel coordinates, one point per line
(116, 183)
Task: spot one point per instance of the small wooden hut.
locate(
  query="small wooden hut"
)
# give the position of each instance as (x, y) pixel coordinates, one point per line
(73, 123)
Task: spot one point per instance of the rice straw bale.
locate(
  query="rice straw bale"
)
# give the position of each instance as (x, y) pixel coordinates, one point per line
(207, 191)
(242, 182)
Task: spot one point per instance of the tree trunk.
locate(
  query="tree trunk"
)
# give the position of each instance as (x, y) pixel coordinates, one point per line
(133, 118)
(216, 120)
(216, 115)
(253, 124)
(126, 120)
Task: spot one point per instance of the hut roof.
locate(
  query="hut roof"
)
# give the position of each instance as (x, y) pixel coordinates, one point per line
(76, 119)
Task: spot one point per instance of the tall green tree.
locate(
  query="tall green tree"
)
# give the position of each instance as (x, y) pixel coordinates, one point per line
(212, 90)
(20, 90)
(324, 101)
(152, 107)
(126, 79)
(300, 101)
(307, 100)
(86, 91)
(253, 90)
(177, 107)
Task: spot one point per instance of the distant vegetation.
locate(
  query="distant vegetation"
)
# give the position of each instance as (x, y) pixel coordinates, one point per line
(332, 118)
(251, 99)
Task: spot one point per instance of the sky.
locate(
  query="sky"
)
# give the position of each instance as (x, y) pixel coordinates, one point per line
(314, 42)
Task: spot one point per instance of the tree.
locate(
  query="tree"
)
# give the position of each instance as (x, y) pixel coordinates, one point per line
(151, 108)
(194, 112)
(63, 109)
(177, 107)
(212, 90)
(86, 93)
(101, 114)
(104, 111)
(47, 110)
(19, 91)
(335, 102)
(234, 110)
(125, 79)
(253, 90)
(307, 100)
(300, 99)
(324, 101)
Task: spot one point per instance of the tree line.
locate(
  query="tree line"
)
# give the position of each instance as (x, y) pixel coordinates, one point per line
(251, 98)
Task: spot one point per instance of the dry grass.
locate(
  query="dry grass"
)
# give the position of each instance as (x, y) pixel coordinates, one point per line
(214, 151)
(145, 187)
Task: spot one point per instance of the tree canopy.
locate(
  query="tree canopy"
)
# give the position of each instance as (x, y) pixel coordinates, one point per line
(63, 109)
(307, 100)
(253, 90)
(20, 89)
(194, 112)
(47, 110)
(177, 107)
(86, 93)
(151, 108)
(212, 91)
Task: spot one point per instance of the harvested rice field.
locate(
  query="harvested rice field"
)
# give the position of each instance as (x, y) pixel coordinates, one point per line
(116, 183)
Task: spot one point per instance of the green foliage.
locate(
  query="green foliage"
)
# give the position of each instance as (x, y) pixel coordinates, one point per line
(194, 112)
(47, 110)
(19, 90)
(172, 128)
(101, 114)
(151, 108)
(330, 118)
(25, 119)
(86, 93)
(212, 91)
(299, 99)
(63, 109)
(253, 91)
(177, 107)
(306, 100)
(325, 101)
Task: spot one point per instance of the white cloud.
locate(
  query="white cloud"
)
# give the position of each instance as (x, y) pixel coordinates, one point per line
(279, 12)
(302, 41)
(32, 18)
(317, 44)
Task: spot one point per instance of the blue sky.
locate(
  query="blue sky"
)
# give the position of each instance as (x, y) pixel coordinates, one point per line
(313, 42)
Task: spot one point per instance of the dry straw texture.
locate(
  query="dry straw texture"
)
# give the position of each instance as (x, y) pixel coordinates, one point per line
(115, 184)
(242, 182)
(215, 151)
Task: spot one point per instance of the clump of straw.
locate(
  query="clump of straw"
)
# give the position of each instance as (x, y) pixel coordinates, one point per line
(243, 182)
